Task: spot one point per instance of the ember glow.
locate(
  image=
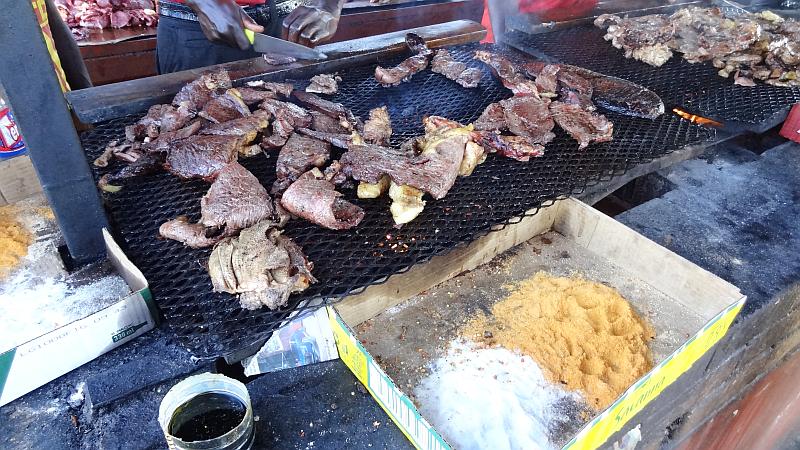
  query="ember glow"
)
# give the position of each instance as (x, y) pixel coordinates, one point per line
(700, 120)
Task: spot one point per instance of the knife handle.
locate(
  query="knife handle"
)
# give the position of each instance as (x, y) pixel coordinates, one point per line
(251, 36)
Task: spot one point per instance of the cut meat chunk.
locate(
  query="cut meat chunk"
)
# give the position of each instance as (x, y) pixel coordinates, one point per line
(159, 119)
(514, 147)
(281, 89)
(378, 129)
(324, 84)
(327, 124)
(492, 119)
(509, 74)
(201, 156)
(529, 117)
(300, 154)
(405, 70)
(315, 199)
(197, 93)
(584, 126)
(252, 96)
(261, 265)
(190, 234)
(332, 109)
(547, 81)
(236, 200)
(341, 140)
(225, 107)
(245, 128)
(457, 71)
(286, 117)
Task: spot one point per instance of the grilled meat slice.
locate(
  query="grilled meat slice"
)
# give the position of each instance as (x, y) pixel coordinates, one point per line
(457, 71)
(529, 117)
(584, 126)
(196, 94)
(281, 89)
(236, 200)
(508, 73)
(225, 107)
(245, 128)
(705, 33)
(159, 119)
(378, 129)
(514, 147)
(493, 118)
(644, 38)
(300, 154)
(315, 199)
(253, 96)
(405, 70)
(190, 234)
(261, 265)
(611, 93)
(324, 84)
(201, 156)
(286, 117)
(547, 79)
(275, 59)
(327, 124)
(332, 109)
(164, 140)
(433, 170)
(148, 164)
(341, 140)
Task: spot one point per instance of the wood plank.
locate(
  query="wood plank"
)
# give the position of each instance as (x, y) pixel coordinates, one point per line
(375, 299)
(116, 68)
(18, 179)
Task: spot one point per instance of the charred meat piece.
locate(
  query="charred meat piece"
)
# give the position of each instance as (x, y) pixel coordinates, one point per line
(252, 96)
(493, 118)
(159, 119)
(261, 265)
(275, 59)
(334, 174)
(300, 154)
(433, 170)
(327, 124)
(148, 164)
(529, 117)
(547, 79)
(406, 69)
(315, 199)
(644, 38)
(509, 74)
(332, 109)
(196, 94)
(190, 234)
(341, 140)
(280, 89)
(514, 147)
(286, 117)
(378, 129)
(164, 140)
(324, 84)
(584, 126)
(236, 200)
(225, 107)
(201, 156)
(611, 93)
(444, 64)
(246, 128)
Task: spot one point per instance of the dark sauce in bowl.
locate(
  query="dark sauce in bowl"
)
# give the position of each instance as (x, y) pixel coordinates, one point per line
(207, 416)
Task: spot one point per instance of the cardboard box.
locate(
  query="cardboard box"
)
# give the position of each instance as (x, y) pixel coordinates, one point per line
(713, 303)
(18, 179)
(40, 360)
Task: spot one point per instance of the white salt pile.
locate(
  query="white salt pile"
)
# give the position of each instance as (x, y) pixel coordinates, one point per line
(490, 398)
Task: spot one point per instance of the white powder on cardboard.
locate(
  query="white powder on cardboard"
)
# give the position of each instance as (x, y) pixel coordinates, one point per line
(481, 398)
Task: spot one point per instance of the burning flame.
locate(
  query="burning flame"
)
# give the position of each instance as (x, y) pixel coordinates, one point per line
(694, 118)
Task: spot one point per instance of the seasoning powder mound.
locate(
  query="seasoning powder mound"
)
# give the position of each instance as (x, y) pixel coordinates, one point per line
(584, 335)
(14, 240)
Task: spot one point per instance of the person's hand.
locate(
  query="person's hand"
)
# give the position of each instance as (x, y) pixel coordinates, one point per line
(312, 24)
(223, 22)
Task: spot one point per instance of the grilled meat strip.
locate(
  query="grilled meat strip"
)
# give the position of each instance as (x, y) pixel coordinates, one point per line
(406, 69)
(286, 117)
(315, 199)
(253, 96)
(327, 124)
(584, 126)
(341, 140)
(514, 147)
(201, 156)
(508, 73)
(378, 129)
(261, 265)
(444, 64)
(300, 154)
(611, 93)
(147, 164)
(324, 84)
(245, 128)
(547, 80)
(335, 110)
(529, 117)
(159, 119)
(280, 89)
(225, 107)
(196, 94)
(236, 200)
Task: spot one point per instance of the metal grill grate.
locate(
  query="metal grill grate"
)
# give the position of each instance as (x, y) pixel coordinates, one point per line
(501, 189)
(695, 87)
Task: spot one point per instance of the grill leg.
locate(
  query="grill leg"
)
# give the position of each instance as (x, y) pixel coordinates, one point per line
(31, 86)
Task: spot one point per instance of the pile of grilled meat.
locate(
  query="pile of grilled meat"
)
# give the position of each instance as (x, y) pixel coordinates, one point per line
(749, 46)
(210, 125)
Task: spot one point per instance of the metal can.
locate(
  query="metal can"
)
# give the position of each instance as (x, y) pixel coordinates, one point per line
(11, 143)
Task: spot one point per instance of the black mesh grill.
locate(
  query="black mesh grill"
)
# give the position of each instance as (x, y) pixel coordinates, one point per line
(694, 87)
(212, 324)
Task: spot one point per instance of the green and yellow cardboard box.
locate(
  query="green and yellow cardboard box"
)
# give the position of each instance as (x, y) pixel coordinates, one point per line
(45, 358)
(577, 220)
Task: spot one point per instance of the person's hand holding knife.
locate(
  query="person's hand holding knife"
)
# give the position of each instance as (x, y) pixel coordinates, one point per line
(314, 23)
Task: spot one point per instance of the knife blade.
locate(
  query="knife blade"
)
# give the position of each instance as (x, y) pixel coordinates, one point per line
(268, 44)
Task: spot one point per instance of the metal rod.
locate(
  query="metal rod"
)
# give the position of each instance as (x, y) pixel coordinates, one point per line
(32, 88)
